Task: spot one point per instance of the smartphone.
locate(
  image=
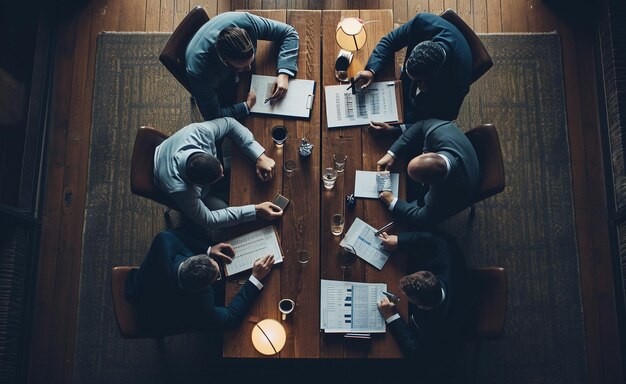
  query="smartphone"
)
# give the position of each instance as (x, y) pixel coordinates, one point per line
(281, 201)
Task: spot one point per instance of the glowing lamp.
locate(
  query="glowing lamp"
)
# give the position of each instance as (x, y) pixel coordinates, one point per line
(268, 336)
(351, 37)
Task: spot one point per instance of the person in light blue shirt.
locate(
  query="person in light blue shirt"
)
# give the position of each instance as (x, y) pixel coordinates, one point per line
(185, 166)
(224, 47)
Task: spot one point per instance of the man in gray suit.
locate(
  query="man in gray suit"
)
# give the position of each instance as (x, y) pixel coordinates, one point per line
(446, 166)
(224, 47)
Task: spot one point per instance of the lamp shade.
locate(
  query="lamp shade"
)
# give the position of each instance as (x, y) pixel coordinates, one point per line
(351, 34)
(268, 336)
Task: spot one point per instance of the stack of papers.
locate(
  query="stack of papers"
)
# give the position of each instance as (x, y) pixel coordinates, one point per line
(360, 238)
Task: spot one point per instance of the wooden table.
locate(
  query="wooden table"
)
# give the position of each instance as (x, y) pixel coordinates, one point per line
(306, 223)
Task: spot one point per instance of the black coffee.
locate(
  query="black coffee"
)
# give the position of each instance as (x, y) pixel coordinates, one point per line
(279, 132)
(286, 305)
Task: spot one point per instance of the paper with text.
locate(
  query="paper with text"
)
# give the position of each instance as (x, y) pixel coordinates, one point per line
(347, 306)
(360, 238)
(298, 101)
(376, 103)
(365, 184)
(252, 246)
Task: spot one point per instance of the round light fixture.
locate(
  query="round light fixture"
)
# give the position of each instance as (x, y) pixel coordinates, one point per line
(268, 336)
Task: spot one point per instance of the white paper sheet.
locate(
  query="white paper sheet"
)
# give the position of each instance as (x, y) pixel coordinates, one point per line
(360, 238)
(365, 184)
(347, 306)
(297, 102)
(376, 103)
(252, 246)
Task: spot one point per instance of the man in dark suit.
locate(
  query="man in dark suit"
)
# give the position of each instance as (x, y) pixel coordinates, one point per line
(436, 73)
(446, 166)
(173, 290)
(439, 294)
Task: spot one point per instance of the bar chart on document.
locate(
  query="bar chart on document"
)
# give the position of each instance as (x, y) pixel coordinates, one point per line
(347, 306)
(376, 103)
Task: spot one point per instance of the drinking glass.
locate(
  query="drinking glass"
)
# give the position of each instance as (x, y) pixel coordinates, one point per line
(339, 162)
(347, 258)
(303, 256)
(329, 177)
(289, 167)
(279, 135)
(336, 224)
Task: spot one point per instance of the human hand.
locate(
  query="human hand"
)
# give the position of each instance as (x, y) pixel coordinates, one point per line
(385, 163)
(386, 197)
(365, 77)
(382, 128)
(386, 308)
(268, 211)
(251, 100)
(390, 242)
(280, 86)
(265, 167)
(262, 267)
(224, 251)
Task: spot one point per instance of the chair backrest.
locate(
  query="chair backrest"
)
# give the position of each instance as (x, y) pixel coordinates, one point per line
(173, 54)
(125, 312)
(142, 166)
(489, 313)
(481, 61)
(486, 143)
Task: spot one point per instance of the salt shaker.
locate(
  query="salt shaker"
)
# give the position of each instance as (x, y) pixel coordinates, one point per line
(305, 148)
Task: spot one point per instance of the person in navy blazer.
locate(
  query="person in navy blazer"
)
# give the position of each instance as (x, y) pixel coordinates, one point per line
(439, 296)
(436, 72)
(173, 290)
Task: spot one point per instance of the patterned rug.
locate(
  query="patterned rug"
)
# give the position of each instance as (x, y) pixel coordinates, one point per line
(528, 229)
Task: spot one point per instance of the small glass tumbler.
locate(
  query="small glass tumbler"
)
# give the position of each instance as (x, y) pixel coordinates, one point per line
(303, 256)
(289, 167)
(329, 177)
(279, 135)
(336, 224)
(339, 162)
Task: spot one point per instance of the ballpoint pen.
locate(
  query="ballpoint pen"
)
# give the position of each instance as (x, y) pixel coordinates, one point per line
(377, 233)
(266, 100)
(393, 298)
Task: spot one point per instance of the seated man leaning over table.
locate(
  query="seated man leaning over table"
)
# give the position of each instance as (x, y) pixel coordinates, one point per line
(173, 291)
(224, 47)
(445, 165)
(185, 167)
(438, 291)
(436, 73)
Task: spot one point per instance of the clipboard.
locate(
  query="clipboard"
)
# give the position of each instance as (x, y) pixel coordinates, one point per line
(298, 102)
(376, 103)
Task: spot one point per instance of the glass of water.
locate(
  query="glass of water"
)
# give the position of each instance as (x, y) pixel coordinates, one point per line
(347, 258)
(329, 177)
(339, 162)
(289, 167)
(336, 224)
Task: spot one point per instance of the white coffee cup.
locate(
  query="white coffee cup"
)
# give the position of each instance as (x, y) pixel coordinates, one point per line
(286, 306)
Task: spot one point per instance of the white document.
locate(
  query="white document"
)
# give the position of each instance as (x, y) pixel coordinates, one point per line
(360, 238)
(365, 184)
(297, 102)
(347, 306)
(376, 103)
(252, 246)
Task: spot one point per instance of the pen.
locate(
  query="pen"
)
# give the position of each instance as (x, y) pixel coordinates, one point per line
(377, 233)
(393, 298)
(266, 100)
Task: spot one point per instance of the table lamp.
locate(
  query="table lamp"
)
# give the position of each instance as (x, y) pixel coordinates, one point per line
(351, 37)
(268, 336)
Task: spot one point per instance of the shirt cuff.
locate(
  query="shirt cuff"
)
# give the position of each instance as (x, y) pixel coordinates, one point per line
(445, 158)
(245, 105)
(371, 70)
(286, 71)
(393, 203)
(402, 127)
(392, 318)
(248, 212)
(256, 282)
(392, 154)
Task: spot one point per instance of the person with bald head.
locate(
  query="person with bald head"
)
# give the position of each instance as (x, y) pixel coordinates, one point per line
(444, 164)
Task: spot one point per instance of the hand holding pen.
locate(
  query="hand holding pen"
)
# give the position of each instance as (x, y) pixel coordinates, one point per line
(393, 298)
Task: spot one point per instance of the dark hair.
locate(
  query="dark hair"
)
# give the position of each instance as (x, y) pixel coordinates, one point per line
(234, 43)
(425, 60)
(422, 287)
(428, 168)
(197, 273)
(203, 168)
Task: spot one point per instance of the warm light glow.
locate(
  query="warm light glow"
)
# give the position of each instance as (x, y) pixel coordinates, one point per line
(351, 34)
(268, 336)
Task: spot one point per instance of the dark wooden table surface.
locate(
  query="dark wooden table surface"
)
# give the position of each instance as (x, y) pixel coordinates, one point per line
(306, 222)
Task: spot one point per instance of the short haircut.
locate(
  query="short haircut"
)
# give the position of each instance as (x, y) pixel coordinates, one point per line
(425, 60)
(234, 43)
(203, 168)
(197, 273)
(428, 168)
(422, 288)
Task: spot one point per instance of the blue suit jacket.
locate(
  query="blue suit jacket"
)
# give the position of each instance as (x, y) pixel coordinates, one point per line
(448, 89)
(207, 72)
(164, 308)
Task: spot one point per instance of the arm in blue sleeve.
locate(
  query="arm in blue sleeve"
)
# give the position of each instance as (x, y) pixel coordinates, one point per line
(285, 35)
(230, 317)
(208, 102)
(392, 43)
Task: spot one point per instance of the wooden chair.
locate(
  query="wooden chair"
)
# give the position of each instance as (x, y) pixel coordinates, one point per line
(481, 61)
(125, 312)
(490, 290)
(173, 54)
(486, 143)
(142, 166)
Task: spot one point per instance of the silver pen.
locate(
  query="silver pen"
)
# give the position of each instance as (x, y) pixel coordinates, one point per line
(383, 229)
(393, 298)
